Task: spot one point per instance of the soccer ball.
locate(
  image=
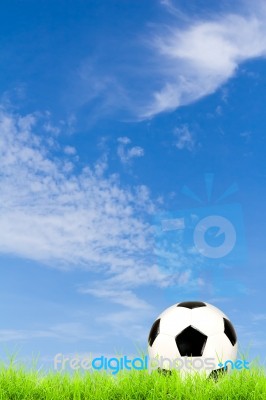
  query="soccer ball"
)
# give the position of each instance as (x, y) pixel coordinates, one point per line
(192, 336)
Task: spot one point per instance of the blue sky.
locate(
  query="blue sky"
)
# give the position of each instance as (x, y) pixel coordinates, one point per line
(108, 110)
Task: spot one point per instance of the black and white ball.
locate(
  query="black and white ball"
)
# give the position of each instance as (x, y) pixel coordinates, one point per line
(197, 335)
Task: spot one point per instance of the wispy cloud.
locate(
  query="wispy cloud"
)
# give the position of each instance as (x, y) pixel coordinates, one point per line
(70, 150)
(259, 317)
(123, 297)
(120, 321)
(184, 138)
(198, 58)
(171, 8)
(67, 331)
(101, 91)
(126, 153)
(176, 64)
(66, 219)
(118, 288)
(51, 214)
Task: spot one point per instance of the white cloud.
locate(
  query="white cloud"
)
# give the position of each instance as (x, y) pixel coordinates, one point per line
(170, 7)
(259, 317)
(124, 140)
(178, 63)
(184, 138)
(139, 276)
(71, 220)
(48, 127)
(123, 297)
(70, 150)
(67, 331)
(118, 287)
(218, 300)
(101, 89)
(125, 153)
(197, 59)
(51, 215)
(135, 151)
(120, 321)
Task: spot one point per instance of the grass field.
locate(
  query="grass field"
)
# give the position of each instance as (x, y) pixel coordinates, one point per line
(19, 384)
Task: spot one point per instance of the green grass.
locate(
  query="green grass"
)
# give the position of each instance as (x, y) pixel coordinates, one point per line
(18, 384)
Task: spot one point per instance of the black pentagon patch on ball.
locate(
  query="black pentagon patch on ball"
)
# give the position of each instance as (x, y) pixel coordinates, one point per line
(230, 331)
(154, 332)
(191, 304)
(191, 342)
